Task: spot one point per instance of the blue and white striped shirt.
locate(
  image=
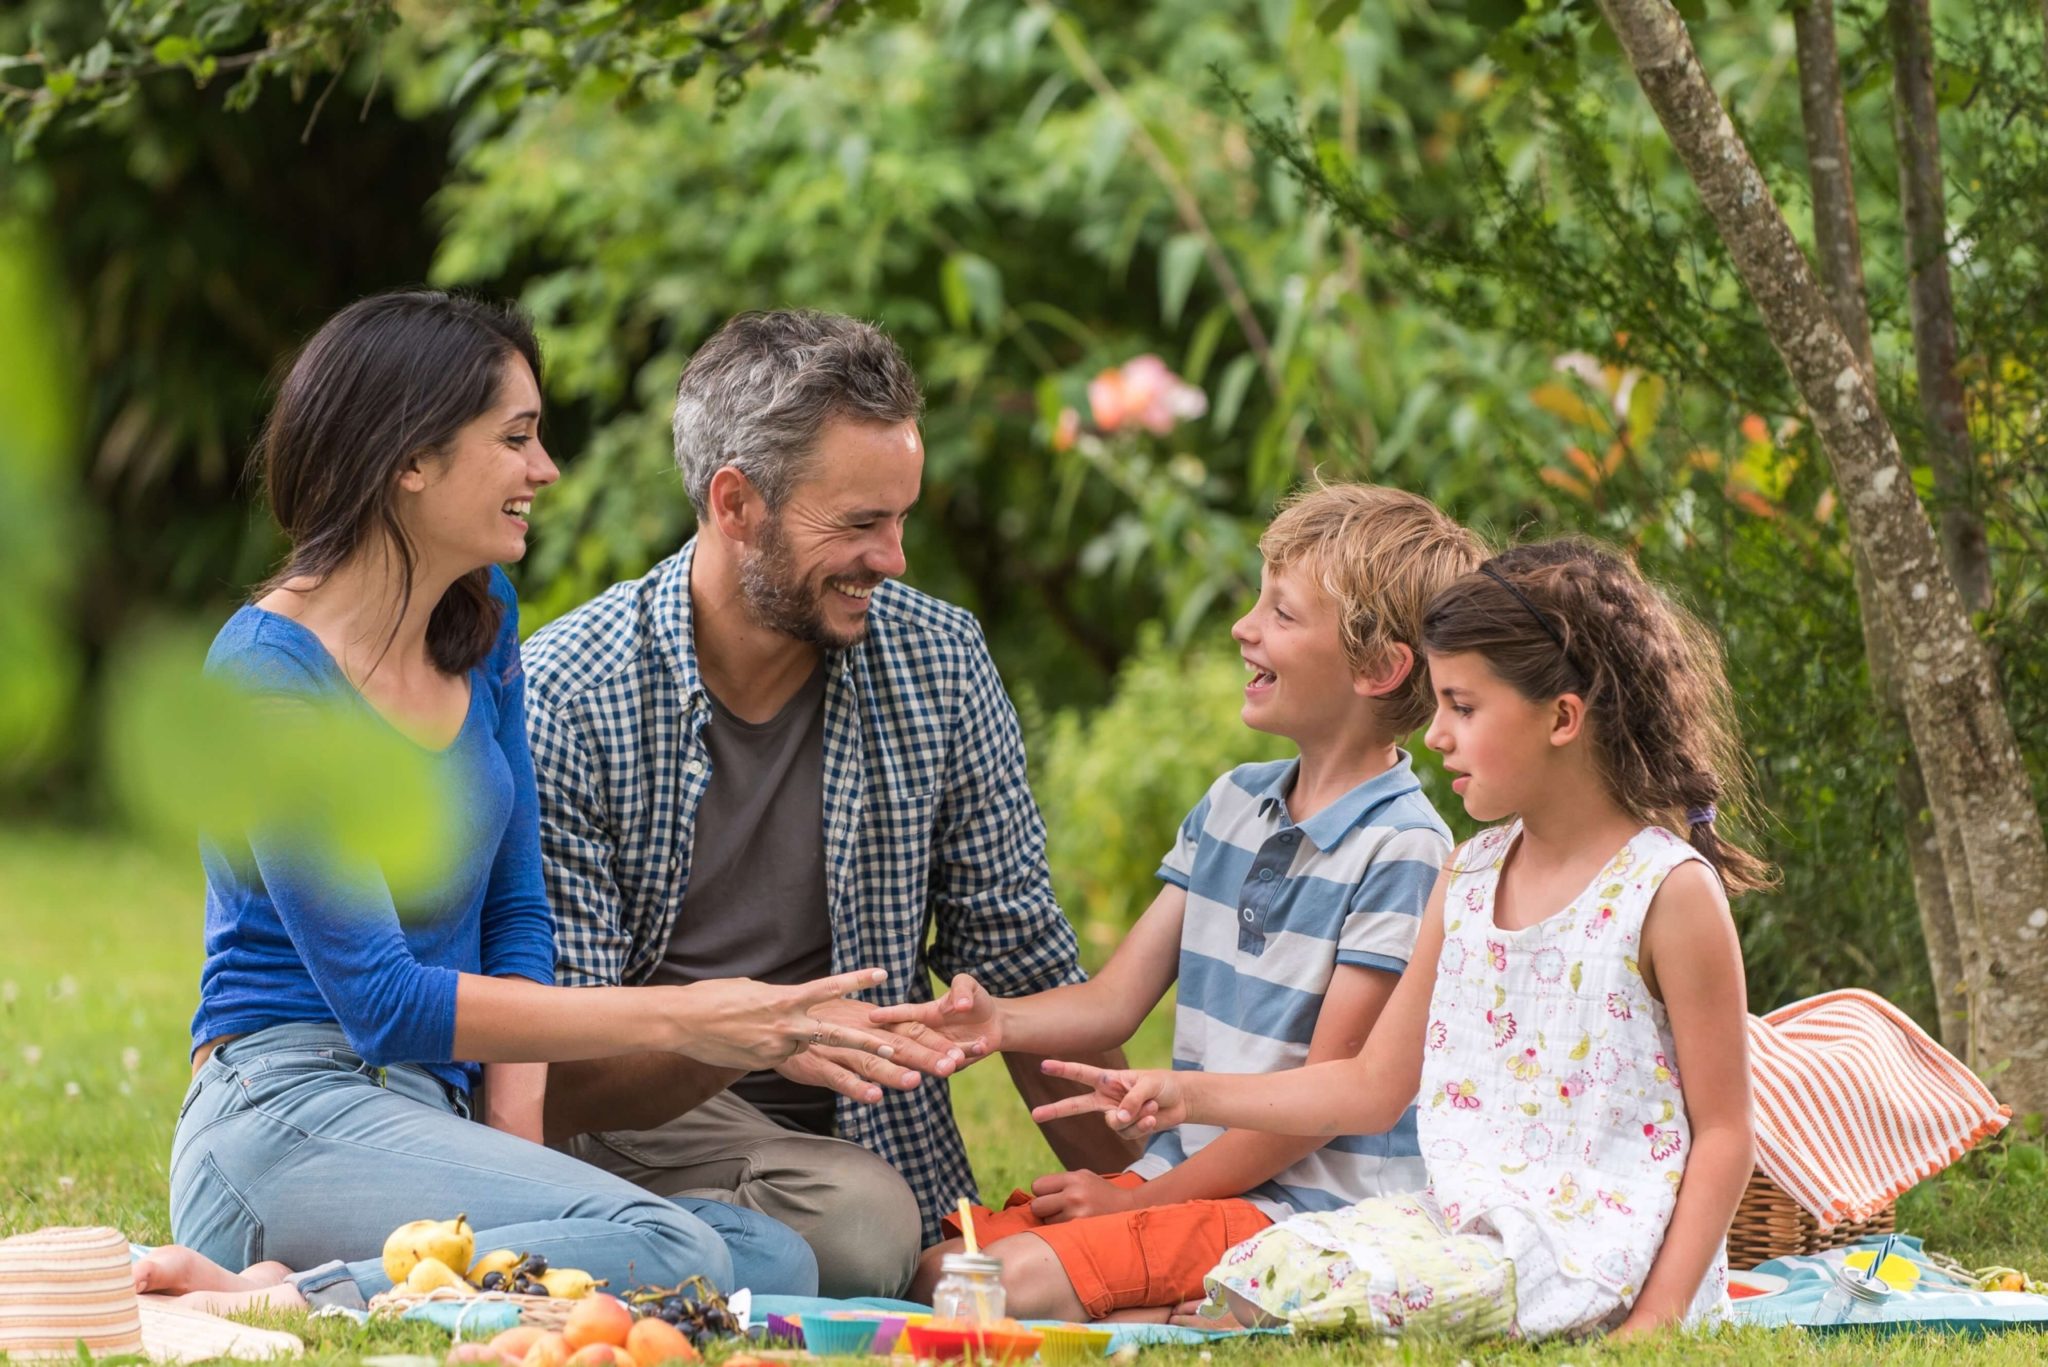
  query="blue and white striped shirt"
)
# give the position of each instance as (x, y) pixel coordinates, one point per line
(1273, 908)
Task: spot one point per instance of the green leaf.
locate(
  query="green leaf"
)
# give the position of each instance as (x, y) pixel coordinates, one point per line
(972, 287)
(1230, 392)
(174, 50)
(1179, 263)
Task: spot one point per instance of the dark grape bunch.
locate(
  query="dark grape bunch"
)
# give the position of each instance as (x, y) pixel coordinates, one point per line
(691, 1306)
(522, 1280)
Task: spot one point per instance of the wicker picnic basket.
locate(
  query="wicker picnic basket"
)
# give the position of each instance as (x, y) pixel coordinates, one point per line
(1770, 1224)
(544, 1312)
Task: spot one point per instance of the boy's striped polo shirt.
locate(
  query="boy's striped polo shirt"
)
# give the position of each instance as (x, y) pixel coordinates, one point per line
(1273, 907)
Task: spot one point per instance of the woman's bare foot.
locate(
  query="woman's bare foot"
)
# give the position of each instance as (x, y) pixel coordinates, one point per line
(175, 1270)
(283, 1296)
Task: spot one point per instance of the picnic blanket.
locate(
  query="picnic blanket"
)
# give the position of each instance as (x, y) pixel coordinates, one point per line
(1941, 1301)
(1855, 1103)
(1121, 1335)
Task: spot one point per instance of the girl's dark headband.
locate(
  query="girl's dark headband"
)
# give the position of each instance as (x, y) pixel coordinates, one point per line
(1548, 630)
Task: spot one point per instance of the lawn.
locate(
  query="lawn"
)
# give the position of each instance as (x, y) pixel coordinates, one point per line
(96, 987)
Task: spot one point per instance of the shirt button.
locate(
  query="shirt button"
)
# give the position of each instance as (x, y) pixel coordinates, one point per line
(1247, 915)
(1265, 875)
(1288, 838)
(694, 767)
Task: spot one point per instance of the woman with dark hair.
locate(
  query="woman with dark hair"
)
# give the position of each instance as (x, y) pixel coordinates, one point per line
(343, 1027)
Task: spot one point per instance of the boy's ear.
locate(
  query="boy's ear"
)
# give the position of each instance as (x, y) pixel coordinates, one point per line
(1567, 718)
(1395, 666)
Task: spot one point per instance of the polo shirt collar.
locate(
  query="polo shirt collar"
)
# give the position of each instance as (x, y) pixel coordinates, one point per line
(1329, 826)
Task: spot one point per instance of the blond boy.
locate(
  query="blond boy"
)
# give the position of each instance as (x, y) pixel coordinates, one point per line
(1291, 903)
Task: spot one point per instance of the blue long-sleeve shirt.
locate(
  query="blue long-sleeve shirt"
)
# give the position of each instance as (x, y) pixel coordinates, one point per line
(290, 938)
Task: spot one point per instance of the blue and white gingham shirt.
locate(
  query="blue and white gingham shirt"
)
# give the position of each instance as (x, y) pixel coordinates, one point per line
(930, 829)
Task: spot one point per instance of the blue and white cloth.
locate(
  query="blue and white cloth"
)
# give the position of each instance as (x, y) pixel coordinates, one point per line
(1274, 906)
(1939, 1301)
(930, 829)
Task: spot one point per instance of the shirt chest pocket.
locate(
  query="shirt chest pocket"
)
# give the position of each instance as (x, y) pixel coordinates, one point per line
(893, 855)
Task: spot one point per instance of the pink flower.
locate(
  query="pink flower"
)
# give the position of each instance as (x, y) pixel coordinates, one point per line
(1612, 1200)
(1421, 1298)
(1439, 1034)
(1600, 920)
(1575, 1085)
(1497, 956)
(1663, 1143)
(1618, 1007)
(1146, 393)
(1524, 1066)
(1463, 1095)
(1503, 1024)
(1066, 431)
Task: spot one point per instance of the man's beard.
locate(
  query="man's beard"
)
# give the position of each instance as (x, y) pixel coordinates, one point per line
(776, 596)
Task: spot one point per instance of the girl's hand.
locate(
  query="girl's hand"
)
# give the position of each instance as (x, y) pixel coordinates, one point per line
(1133, 1101)
(966, 1016)
(740, 1023)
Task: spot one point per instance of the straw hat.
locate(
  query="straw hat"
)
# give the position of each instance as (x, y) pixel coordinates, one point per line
(60, 1288)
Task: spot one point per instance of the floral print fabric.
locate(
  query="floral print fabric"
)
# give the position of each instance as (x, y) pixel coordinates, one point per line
(1387, 1265)
(1551, 1116)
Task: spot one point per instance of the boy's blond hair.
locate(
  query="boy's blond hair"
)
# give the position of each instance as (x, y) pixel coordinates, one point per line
(1380, 554)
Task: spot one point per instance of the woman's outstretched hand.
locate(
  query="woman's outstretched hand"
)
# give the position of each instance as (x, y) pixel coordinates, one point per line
(740, 1023)
(1132, 1101)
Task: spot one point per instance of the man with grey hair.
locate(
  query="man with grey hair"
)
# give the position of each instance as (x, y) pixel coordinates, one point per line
(768, 759)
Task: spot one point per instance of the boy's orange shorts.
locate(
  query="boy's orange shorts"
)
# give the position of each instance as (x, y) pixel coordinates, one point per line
(1153, 1256)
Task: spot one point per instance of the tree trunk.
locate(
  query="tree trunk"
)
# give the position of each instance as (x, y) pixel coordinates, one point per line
(1978, 789)
(1917, 129)
(1838, 242)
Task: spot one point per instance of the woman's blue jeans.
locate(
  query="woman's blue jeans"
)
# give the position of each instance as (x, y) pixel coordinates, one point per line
(290, 1147)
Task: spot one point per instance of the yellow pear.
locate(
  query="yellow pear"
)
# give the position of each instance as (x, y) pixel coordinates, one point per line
(453, 1242)
(497, 1260)
(568, 1283)
(431, 1274)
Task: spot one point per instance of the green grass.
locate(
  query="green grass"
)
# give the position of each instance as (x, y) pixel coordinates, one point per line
(97, 981)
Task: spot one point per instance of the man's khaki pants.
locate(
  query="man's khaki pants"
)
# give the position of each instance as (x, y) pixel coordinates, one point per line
(856, 1212)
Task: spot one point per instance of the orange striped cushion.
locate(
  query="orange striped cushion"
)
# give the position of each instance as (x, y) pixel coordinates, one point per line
(1855, 1103)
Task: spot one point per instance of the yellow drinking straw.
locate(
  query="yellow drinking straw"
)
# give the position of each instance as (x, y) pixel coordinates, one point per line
(980, 1301)
(967, 1226)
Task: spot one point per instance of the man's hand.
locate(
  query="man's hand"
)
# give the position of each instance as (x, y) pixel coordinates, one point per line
(1064, 1196)
(850, 1072)
(967, 1018)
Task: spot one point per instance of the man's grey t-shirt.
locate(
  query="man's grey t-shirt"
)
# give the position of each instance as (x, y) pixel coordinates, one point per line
(755, 903)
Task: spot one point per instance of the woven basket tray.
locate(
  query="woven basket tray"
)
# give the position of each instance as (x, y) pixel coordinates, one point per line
(1770, 1224)
(544, 1312)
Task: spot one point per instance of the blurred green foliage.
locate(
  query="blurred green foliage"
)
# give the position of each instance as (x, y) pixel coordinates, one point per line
(1438, 245)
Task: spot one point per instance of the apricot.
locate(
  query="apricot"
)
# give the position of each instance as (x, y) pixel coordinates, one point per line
(654, 1341)
(514, 1342)
(475, 1352)
(549, 1350)
(598, 1318)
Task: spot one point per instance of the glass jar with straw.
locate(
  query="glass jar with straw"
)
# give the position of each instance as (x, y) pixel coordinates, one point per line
(970, 1289)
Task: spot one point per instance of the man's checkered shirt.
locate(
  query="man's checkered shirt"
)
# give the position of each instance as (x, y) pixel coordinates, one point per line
(931, 833)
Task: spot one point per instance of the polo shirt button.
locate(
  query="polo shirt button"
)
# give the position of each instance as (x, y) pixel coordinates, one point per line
(1265, 875)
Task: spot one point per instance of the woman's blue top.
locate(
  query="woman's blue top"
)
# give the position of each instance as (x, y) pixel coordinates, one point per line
(289, 938)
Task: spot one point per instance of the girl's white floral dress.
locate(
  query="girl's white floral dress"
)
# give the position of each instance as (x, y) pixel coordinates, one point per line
(1552, 1122)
